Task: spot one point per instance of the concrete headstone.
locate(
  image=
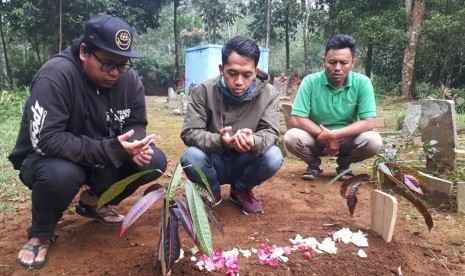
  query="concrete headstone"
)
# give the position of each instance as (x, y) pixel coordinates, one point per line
(438, 123)
(412, 119)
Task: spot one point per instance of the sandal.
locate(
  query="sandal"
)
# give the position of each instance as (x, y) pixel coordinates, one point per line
(88, 211)
(36, 249)
(312, 173)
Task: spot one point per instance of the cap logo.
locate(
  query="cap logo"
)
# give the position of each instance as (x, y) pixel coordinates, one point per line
(123, 39)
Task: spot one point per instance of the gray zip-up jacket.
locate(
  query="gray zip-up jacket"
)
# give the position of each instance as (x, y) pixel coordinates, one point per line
(208, 111)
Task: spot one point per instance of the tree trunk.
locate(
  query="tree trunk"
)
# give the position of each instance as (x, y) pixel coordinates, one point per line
(369, 61)
(305, 15)
(5, 54)
(415, 13)
(176, 39)
(268, 24)
(287, 39)
(60, 32)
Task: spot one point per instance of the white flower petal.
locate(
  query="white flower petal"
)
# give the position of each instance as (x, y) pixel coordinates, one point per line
(343, 235)
(359, 239)
(181, 255)
(246, 253)
(362, 253)
(297, 240)
(328, 246)
(194, 250)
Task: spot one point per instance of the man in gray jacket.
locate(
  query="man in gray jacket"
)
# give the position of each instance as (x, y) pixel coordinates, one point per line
(231, 127)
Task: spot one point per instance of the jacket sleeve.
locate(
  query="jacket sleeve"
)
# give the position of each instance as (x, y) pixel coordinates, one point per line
(194, 131)
(138, 118)
(49, 108)
(267, 132)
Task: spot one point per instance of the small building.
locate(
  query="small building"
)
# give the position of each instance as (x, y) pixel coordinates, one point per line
(202, 63)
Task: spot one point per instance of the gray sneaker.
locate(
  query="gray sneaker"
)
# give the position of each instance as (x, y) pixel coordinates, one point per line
(248, 202)
(311, 173)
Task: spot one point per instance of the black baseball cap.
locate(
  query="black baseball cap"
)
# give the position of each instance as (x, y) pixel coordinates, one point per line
(112, 34)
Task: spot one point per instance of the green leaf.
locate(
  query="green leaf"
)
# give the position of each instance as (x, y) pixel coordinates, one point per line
(214, 218)
(175, 182)
(200, 218)
(340, 175)
(119, 187)
(203, 178)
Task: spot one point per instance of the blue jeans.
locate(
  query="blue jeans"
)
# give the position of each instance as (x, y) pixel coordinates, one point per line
(242, 171)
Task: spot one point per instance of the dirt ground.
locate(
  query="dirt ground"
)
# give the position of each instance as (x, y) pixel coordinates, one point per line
(292, 206)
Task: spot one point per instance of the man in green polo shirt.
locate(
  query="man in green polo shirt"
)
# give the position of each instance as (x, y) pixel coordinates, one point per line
(334, 113)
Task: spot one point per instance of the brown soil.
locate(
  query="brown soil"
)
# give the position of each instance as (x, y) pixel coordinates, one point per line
(292, 206)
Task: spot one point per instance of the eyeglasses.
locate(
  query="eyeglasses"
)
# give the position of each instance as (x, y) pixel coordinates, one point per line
(109, 66)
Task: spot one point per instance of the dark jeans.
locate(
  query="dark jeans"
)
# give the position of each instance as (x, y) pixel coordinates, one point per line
(243, 171)
(54, 183)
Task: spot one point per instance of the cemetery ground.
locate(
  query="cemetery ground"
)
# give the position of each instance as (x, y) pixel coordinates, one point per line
(292, 206)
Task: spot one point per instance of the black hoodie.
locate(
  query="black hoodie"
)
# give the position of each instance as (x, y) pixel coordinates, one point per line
(67, 116)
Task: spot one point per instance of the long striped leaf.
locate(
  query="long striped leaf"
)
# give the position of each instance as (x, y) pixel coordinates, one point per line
(139, 208)
(182, 212)
(212, 216)
(200, 218)
(418, 205)
(401, 189)
(424, 184)
(171, 242)
(119, 187)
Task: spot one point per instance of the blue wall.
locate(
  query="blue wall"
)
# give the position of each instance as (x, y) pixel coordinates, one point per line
(202, 62)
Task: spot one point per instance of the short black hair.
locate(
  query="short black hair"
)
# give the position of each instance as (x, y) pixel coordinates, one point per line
(244, 46)
(76, 43)
(341, 41)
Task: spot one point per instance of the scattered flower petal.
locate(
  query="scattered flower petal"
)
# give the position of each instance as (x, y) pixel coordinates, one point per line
(194, 250)
(362, 253)
(181, 255)
(343, 235)
(359, 239)
(328, 246)
(246, 253)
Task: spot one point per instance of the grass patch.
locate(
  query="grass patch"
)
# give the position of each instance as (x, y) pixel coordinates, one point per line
(5, 207)
(11, 104)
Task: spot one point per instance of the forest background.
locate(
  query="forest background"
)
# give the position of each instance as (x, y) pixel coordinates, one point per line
(410, 48)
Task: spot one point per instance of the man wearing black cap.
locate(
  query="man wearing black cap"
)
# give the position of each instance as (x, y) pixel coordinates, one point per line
(84, 123)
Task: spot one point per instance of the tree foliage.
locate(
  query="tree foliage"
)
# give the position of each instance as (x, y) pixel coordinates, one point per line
(31, 34)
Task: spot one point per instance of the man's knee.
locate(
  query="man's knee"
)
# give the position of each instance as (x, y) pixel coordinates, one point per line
(193, 155)
(375, 142)
(59, 175)
(372, 142)
(273, 158)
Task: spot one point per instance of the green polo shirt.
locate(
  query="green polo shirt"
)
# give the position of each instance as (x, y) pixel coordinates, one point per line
(317, 100)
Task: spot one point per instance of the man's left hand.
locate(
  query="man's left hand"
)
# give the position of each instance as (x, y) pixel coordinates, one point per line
(243, 140)
(330, 141)
(144, 156)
